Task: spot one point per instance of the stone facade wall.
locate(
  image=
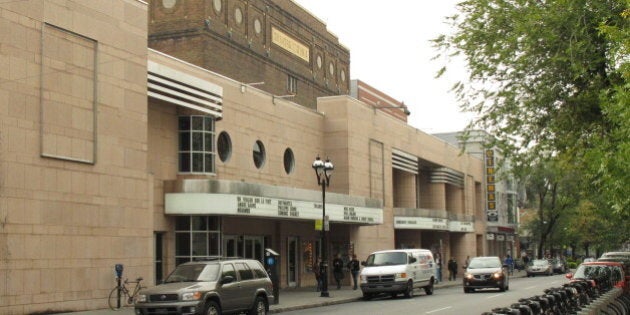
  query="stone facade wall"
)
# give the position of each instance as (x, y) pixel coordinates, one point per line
(71, 208)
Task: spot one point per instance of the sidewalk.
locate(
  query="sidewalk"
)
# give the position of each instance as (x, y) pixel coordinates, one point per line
(292, 299)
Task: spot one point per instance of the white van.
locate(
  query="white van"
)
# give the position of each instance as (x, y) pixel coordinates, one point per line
(398, 271)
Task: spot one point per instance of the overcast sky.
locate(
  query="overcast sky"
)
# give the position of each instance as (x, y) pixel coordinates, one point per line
(398, 30)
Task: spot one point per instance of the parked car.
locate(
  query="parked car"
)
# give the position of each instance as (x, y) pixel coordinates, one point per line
(559, 265)
(602, 271)
(620, 257)
(398, 271)
(210, 287)
(486, 272)
(539, 267)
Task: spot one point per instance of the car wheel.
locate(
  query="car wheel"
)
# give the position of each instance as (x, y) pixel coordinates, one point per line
(367, 296)
(466, 290)
(409, 290)
(259, 307)
(429, 289)
(502, 287)
(212, 308)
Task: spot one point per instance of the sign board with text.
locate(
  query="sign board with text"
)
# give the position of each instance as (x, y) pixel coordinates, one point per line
(420, 223)
(255, 206)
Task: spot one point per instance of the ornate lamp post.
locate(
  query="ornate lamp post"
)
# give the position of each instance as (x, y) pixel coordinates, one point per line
(323, 170)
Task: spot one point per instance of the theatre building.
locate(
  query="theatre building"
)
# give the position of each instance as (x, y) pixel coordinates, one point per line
(116, 153)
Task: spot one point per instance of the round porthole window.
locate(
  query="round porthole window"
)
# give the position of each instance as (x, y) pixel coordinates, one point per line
(169, 4)
(238, 15)
(224, 146)
(289, 161)
(259, 154)
(257, 26)
(217, 5)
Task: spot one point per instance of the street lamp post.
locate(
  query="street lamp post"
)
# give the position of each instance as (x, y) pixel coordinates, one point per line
(323, 170)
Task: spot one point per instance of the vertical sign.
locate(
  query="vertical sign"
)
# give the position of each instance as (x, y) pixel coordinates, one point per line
(492, 213)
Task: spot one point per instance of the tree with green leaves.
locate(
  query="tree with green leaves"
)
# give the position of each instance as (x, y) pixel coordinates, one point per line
(550, 80)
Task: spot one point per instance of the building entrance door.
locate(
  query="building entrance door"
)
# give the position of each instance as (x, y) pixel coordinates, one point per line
(254, 247)
(230, 246)
(246, 246)
(292, 261)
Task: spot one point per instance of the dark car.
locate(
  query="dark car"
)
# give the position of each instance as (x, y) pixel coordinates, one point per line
(539, 267)
(486, 272)
(209, 288)
(559, 265)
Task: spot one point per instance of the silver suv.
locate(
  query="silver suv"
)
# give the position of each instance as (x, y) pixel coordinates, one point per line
(208, 288)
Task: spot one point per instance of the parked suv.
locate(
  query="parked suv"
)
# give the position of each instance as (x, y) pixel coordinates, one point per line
(209, 287)
(486, 272)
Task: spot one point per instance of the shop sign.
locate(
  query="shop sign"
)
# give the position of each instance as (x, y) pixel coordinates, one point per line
(490, 236)
(500, 237)
(256, 206)
(420, 223)
(459, 226)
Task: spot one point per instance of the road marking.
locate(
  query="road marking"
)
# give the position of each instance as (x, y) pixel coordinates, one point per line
(493, 296)
(438, 310)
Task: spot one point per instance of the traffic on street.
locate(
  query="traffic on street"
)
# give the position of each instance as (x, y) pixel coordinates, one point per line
(445, 301)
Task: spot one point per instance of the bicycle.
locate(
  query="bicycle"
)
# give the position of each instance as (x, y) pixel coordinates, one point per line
(123, 294)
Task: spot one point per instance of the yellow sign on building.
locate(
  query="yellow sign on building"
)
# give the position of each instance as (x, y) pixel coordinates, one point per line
(289, 44)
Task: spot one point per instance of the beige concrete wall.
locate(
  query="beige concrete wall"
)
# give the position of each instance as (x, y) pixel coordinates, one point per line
(350, 125)
(404, 189)
(63, 223)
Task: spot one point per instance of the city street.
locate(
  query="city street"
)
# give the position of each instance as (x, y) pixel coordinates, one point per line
(446, 301)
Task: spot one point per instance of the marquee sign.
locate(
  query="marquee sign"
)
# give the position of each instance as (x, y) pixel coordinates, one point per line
(420, 223)
(256, 206)
(459, 226)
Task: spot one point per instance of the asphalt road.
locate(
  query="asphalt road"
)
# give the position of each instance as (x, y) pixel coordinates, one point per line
(445, 301)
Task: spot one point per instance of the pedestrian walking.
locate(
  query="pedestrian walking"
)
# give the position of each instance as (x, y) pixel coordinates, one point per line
(452, 269)
(354, 266)
(510, 264)
(338, 270)
(438, 269)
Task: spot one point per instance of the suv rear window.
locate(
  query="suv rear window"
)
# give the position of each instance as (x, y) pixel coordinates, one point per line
(259, 272)
(244, 271)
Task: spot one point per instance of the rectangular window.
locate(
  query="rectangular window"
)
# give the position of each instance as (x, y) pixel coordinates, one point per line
(292, 84)
(197, 238)
(196, 144)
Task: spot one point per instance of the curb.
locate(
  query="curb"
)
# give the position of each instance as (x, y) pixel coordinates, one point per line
(339, 301)
(313, 305)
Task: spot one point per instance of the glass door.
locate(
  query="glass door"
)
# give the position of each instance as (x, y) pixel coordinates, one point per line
(292, 261)
(230, 246)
